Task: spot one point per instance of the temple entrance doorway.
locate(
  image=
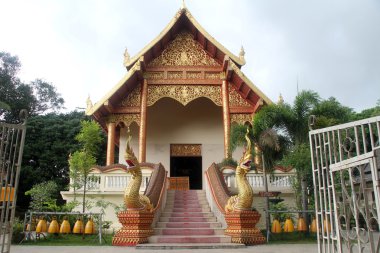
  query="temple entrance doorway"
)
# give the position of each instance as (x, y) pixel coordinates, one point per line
(186, 161)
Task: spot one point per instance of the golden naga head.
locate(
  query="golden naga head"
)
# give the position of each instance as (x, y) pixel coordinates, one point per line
(129, 156)
(246, 160)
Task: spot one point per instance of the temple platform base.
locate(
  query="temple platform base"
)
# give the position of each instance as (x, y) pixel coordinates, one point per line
(241, 226)
(136, 228)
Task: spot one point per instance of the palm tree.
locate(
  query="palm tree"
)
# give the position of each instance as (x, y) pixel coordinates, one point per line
(4, 106)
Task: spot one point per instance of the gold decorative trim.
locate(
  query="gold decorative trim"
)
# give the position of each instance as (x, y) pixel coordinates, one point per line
(193, 75)
(213, 75)
(236, 100)
(127, 119)
(133, 99)
(241, 118)
(185, 149)
(184, 94)
(175, 75)
(154, 75)
(183, 51)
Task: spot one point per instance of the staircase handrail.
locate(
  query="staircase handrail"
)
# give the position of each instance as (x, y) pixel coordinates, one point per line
(218, 187)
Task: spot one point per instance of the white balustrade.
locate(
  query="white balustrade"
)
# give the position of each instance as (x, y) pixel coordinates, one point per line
(275, 181)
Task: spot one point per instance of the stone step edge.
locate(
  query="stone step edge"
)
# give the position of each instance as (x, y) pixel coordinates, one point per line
(190, 246)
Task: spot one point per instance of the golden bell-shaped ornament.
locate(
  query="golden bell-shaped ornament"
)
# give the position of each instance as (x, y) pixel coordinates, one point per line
(327, 225)
(301, 225)
(65, 226)
(78, 227)
(288, 226)
(313, 226)
(276, 227)
(90, 227)
(41, 225)
(54, 226)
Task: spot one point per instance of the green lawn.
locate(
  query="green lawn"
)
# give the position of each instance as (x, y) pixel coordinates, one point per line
(70, 240)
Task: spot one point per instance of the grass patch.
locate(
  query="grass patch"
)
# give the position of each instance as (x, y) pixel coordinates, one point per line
(70, 240)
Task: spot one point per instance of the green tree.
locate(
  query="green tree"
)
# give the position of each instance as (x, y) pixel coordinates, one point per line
(37, 97)
(82, 161)
(42, 195)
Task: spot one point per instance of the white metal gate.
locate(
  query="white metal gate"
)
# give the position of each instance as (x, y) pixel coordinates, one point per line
(345, 173)
(11, 147)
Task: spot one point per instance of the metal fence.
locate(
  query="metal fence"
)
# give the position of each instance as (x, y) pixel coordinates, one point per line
(345, 161)
(12, 138)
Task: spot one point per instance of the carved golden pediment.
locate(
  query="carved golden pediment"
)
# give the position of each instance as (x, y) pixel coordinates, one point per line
(126, 119)
(183, 51)
(183, 94)
(236, 100)
(133, 98)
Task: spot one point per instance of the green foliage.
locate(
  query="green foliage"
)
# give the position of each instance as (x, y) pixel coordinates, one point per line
(36, 97)
(4, 106)
(49, 140)
(280, 207)
(17, 232)
(83, 160)
(90, 137)
(42, 195)
(330, 112)
(228, 162)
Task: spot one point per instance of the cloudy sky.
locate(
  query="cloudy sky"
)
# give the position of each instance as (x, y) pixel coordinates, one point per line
(329, 46)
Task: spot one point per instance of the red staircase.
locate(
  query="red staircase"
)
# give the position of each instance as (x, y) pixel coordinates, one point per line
(187, 219)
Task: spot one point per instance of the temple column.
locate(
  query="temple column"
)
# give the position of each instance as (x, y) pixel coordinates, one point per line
(226, 119)
(111, 143)
(142, 135)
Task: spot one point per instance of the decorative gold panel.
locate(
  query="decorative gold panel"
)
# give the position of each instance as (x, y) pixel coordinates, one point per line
(241, 118)
(213, 75)
(185, 150)
(127, 119)
(183, 94)
(236, 100)
(133, 98)
(183, 51)
(193, 75)
(175, 75)
(154, 75)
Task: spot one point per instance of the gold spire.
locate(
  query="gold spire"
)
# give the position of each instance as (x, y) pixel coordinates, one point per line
(242, 53)
(127, 58)
(280, 100)
(183, 4)
(89, 103)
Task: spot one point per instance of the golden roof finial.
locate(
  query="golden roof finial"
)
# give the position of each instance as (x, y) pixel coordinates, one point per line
(126, 57)
(242, 53)
(183, 4)
(89, 103)
(280, 100)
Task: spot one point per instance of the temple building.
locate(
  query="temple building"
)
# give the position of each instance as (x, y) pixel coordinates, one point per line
(179, 98)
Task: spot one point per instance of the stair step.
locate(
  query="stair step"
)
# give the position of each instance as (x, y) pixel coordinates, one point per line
(189, 225)
(189, 231)
(161, 246)
(187, 219)
(189, 239)
(187, 210)
(187, 214)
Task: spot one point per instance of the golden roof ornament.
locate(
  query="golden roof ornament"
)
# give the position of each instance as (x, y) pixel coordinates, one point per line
(127, 58)
(183, 4)
(242, 53)
(89, 103)
(280, 100)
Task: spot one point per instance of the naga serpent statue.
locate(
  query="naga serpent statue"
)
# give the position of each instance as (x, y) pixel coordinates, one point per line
(132, 198)
(244, 199)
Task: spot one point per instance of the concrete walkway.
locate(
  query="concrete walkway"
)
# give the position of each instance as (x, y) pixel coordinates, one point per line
(281, 248)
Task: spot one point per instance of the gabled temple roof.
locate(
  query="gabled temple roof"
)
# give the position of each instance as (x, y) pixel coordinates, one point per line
(184, 18)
